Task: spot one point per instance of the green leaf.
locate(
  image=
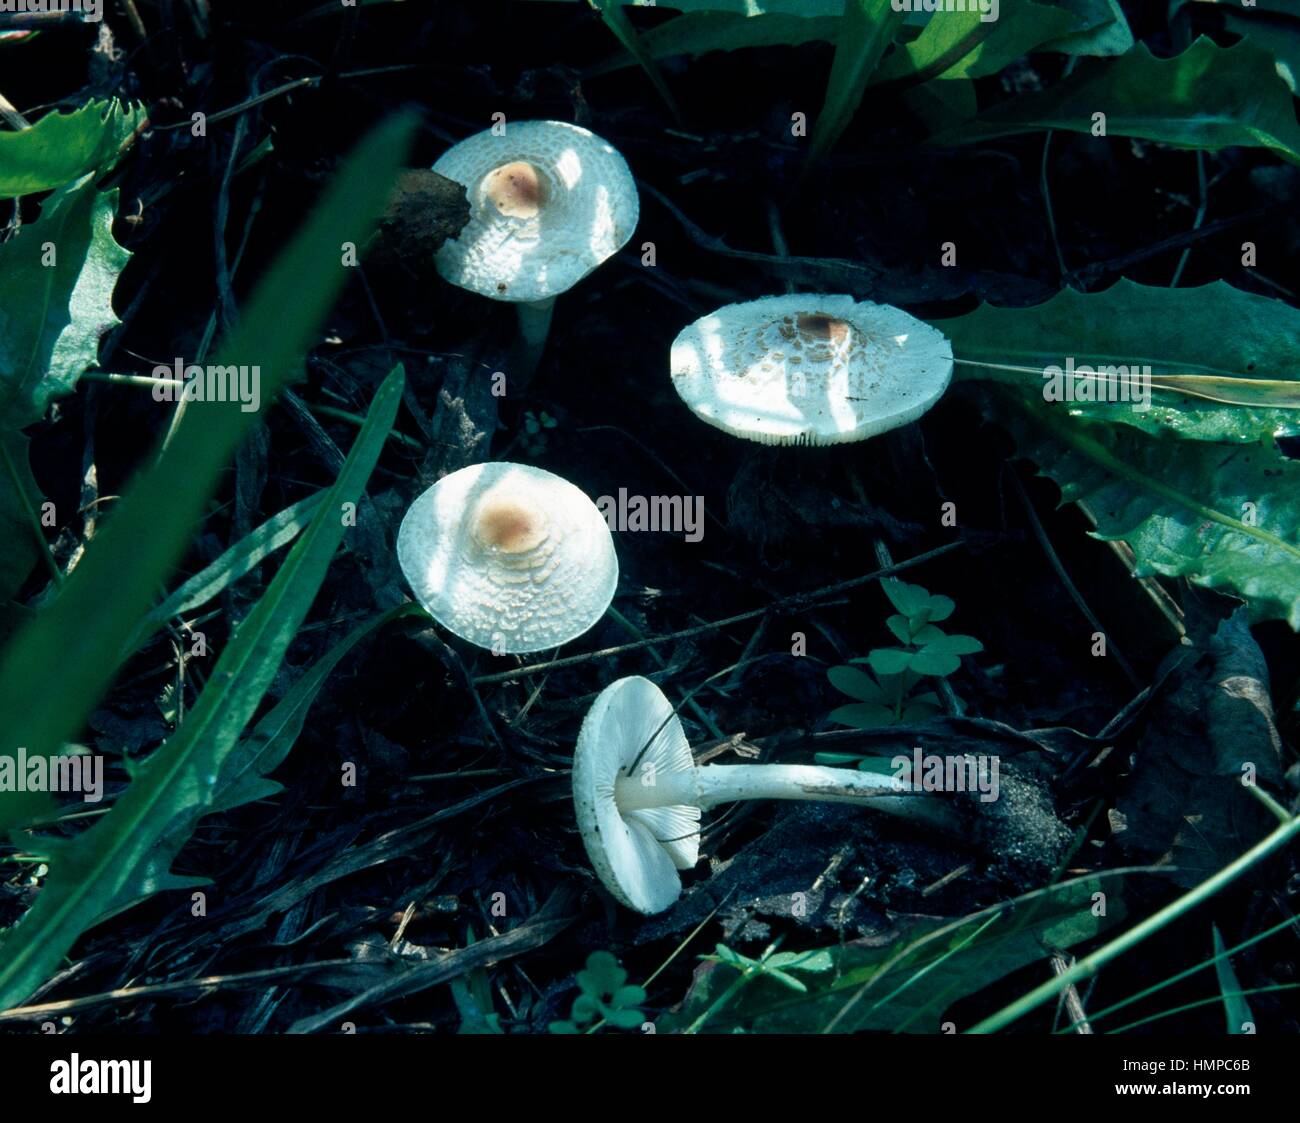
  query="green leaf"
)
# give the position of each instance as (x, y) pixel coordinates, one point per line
(962, 45)
(1178, 333)
(889, 660)
(1223, 516)
(126, 856)
(61, 147)
(602, 976)
(907, 985)
(908, 599)
(628, 996)
(47, 686)
(562, 1027)
(697, 33)
(19, 500)
(955, 645)
(863, 715)
(928, 661)
(615, 18)
(1208, 97)
(917, 712)
(805, 8)
(940, 607)
(866, 30)
(1235, 1006)
(240, 559)
(1106, 31)
(625, 1019)
(855, 683)
(57, 276)
(899, 625)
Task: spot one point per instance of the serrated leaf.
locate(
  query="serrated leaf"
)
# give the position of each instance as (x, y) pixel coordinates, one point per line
(1179, 333)
(856, 684)
(61, 147)
(47, 687)
(863, 715)
(1105, 33)
(1208, 97)
(54, 315)
(1223, 516)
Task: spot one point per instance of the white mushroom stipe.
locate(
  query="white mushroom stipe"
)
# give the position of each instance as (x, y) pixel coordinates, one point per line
(638, 793)
(810, 369)
(509, 557)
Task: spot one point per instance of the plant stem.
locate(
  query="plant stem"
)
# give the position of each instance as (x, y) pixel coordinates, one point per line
(534, 327)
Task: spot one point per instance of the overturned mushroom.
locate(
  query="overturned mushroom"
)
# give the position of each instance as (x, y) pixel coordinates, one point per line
(548, 203)
(809, 369)
(638, 793)
(508, 557)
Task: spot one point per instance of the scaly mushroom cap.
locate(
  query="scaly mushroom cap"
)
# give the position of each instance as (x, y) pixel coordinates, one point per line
(635, 854)
(508, 557)
(548, 203)
(808, 369)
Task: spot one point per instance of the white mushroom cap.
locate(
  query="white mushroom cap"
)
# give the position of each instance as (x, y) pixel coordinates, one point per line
(508, 557)
(636, 854)
(809, 369)
(548, 203)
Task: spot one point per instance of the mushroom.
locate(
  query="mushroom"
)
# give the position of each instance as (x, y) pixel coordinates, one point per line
(549, 202)
(638, 793)
(508, 557)
(810, 369)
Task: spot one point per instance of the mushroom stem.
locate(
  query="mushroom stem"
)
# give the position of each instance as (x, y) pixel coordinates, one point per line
(534, 327)
(711, 784)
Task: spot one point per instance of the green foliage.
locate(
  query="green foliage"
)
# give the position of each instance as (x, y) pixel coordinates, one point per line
(1224, 516)
(1197, 367)
(891, 697)
(1208, 97)
(48, 686)
(127, 855)
(866, 30)
(604, 998)
(62, 147)
(536, 425)
(905, 985)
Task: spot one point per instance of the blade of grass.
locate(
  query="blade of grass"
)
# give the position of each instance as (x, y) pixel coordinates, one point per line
(127, 856)
(1090, 964)
(866, 30)
(1235, 1007)
(48, 685)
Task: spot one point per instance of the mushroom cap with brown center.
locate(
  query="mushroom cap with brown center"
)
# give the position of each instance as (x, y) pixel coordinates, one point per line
(509, 557)
(810, 369)
(548, 201)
